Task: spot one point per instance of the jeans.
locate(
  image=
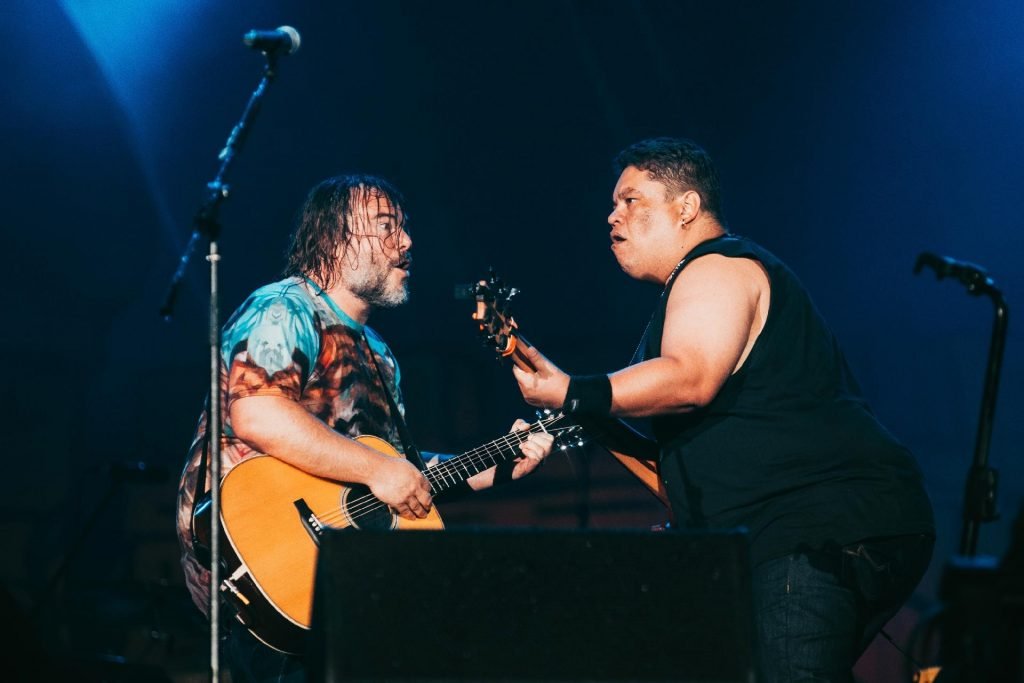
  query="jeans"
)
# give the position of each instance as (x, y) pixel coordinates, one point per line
(817, 611)
(250, 661)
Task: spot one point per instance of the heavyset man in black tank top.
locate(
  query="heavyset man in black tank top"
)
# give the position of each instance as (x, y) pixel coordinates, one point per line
(759, 421)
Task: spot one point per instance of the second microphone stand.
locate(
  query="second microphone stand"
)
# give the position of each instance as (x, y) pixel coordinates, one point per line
(980, 504)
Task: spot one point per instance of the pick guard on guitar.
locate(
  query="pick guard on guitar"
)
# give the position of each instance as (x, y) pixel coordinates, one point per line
(275, 545)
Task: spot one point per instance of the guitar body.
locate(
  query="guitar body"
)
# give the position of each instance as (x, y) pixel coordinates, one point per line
(634, 451)
(272, 514)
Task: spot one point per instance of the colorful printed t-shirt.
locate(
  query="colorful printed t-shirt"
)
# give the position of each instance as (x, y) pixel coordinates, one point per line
(290, 339)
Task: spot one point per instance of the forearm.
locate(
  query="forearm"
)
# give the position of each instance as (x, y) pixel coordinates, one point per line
(481, 481)
(283, 428)
(659, 386)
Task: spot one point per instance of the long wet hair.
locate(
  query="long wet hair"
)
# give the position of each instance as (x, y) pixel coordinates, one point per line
(324, 224)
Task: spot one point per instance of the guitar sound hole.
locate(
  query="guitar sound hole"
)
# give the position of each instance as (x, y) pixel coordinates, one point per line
(364, 511)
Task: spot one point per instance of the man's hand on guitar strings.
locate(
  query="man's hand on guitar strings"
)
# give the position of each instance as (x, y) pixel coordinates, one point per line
(403, 487)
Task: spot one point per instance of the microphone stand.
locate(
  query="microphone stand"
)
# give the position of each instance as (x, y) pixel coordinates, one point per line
(980, 491)
(206, 225)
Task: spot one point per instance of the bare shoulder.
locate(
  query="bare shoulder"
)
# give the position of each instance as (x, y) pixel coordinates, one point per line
(743, 276)
(716, 310)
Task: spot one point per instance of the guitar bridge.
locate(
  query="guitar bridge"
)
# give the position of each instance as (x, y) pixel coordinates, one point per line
(310, 522)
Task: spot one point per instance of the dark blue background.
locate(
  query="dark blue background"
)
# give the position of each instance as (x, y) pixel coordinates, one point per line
(850, 136)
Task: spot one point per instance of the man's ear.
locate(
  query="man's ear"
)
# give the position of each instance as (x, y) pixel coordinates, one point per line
(688, 206)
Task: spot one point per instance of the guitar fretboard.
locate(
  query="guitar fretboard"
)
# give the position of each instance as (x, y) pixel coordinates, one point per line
(453, 471)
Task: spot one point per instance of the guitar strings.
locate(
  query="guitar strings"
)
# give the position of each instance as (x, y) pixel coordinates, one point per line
(482, 455)
(450, 468)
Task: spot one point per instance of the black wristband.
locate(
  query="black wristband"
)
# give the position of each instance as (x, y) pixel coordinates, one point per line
(589, 394)
(503, 472)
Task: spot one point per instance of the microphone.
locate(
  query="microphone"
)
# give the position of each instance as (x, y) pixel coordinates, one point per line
(945, 266)
(972, 275)
(282, 38)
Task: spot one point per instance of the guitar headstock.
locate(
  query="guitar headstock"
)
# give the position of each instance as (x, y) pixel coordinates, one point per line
(568, 434)
(495, 324)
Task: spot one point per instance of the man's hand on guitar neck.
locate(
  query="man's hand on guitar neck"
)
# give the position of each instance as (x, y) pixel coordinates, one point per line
(545, 388)
(535, 448)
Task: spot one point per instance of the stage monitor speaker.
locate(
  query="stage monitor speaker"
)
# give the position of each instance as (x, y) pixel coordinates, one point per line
(530, 605)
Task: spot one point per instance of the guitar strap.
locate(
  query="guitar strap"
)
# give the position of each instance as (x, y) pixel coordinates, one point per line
(201, 475)
(199, 493)
(411, 452)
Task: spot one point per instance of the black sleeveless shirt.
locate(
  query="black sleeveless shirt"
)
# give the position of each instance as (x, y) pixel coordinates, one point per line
(788, 448)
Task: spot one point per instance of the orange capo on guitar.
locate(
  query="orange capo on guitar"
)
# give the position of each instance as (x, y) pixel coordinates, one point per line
(497, 327)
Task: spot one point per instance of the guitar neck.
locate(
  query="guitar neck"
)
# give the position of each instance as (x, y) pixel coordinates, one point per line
(516, 351)
(453, 471)
(638, 453)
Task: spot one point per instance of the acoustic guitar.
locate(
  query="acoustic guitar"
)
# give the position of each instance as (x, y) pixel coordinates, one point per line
(273, 516)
